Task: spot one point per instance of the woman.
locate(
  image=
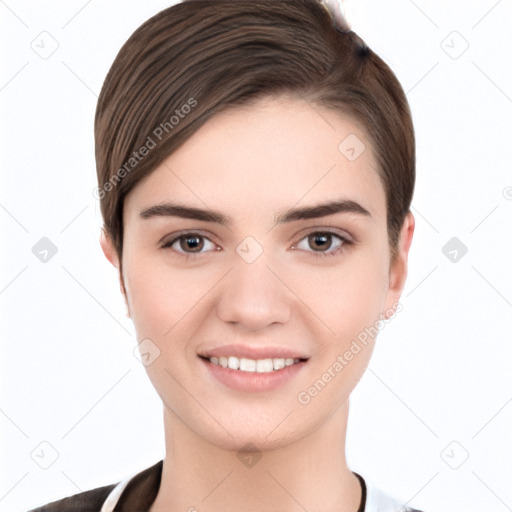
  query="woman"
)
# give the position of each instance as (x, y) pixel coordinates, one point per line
(255, 168)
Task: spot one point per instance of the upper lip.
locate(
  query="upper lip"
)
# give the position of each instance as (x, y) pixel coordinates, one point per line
(253, 352)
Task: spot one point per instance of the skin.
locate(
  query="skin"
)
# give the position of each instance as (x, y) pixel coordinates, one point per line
(253, 163)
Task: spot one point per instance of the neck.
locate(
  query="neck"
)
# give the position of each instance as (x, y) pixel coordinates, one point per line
(309, 474)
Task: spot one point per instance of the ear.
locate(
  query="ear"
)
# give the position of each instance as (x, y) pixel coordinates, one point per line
(108, 248)
(110, 253)
(398, 266)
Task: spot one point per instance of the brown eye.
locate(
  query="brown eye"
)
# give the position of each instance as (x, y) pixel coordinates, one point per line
(193, 242)
(190, 244)
(320, 241)
(323, 243)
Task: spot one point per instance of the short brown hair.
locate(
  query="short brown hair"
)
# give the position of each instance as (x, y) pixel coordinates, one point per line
(199, 57)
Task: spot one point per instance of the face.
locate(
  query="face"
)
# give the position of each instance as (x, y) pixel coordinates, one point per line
(262, 242)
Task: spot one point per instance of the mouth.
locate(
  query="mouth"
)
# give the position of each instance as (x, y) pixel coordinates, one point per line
(244, 364)
(252, 369)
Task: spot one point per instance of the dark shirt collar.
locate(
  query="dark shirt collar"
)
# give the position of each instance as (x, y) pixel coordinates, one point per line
(140, 492)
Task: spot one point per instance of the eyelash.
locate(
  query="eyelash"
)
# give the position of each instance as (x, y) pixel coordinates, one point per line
(318, 254)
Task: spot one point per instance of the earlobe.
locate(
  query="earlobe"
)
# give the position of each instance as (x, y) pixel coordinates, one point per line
(108, 248)
(398, 267)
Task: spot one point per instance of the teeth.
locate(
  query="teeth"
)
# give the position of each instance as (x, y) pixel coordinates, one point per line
(253, 365)
(247, 365)
(278, 364)
(233, 362)
(264, 365)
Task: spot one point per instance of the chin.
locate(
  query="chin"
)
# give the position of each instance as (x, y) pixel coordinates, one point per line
(253, 439)
(265, 431)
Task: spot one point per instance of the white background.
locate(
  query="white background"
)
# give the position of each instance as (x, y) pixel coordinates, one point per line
(441, 370)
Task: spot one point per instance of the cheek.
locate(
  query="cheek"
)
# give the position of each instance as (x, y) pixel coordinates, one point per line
(163, 306)
(153, 296)
(349, 297)
(350, 310)
(162, 298)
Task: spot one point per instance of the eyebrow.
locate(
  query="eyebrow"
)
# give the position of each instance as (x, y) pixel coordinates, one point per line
(295, 214)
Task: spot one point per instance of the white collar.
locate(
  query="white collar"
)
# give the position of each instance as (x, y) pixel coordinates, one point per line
(110, 503)
(378, 501)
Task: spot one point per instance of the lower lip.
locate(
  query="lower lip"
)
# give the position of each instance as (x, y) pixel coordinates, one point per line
(253, 381)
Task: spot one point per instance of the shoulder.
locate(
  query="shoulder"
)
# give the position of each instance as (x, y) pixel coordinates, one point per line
(87, 501)
(135, 492)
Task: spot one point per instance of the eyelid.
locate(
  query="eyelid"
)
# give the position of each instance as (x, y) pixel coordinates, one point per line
(341, 233)
(172, 237)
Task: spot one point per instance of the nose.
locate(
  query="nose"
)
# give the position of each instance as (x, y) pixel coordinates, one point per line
(253, 297)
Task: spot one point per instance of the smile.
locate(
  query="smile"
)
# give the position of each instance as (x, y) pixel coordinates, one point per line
(252, 375)
(253, 365)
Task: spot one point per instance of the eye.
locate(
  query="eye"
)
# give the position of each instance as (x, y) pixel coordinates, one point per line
(190, 244)
(319, 243)
(323, 243)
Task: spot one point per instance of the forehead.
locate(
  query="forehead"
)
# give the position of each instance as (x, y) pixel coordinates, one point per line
(266, 156)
